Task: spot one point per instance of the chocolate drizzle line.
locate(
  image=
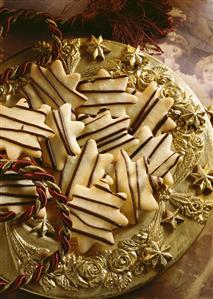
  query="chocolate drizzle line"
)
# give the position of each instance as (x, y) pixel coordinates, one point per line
(160, 124)
(96, 118)
(17, 185)
(38, 89)
(94, 214)
(101, 129)
(76, 169)
(51, 154)
(21, 144)
(23, 203)
(167, 159)
(60, 133)
(117, 145)
(162, 140)
(116, 138)
(176, 160)
(130, 186)
(143, 113)
(107, 190)
(95, 201)
(138, 185)
(88, 224)
(50, 83)
(107, 137)
(18, 195)
(140, 147)
(105, 104)
(101, 78)
(103, 91)
(29, 109)
(93, 170)
(26, 123)
(23, 131)
(66, 87)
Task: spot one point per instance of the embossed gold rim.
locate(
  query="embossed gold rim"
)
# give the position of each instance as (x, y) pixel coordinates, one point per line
(127, 250)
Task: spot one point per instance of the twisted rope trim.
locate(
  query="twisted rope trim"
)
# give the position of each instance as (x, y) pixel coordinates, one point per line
(8, 17)
(43, 182)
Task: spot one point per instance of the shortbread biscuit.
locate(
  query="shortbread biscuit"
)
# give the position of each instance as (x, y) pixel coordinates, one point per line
(22, 129)
(16, 193)
(151, 109)
(133, 179)
(95, 213)
(110, 134)
(157, 150)
(85, 169)
(64, 142)
(106, 92)
(52, 86)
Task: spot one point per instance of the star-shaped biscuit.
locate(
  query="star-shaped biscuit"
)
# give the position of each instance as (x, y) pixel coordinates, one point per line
(66, 132)
(151, 110)
(85, 169)
(106, 92)
(132, 178)
(157, 150)
(110, 134)
(22, 129)
(53, 86)
(95, 213)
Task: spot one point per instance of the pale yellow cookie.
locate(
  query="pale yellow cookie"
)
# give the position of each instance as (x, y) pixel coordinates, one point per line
(53, 86)
(151, 109)
(16, 193)
(106, 92)
(85, 169)
(64, 142)
(21, 130)
(95, 214)
(133, 179)
(110, 134)
(157, 150)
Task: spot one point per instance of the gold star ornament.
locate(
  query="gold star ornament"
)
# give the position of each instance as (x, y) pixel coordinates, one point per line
(96, 48)
(203, 178)
(172, 219)
(193, 116)
(134, 56)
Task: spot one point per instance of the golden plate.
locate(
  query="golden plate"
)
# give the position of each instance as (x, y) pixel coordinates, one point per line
(145, 250)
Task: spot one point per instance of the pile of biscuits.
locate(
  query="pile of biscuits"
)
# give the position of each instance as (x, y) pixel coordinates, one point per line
(108, 146)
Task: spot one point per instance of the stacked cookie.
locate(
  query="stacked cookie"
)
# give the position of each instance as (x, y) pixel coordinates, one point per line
(108, 146)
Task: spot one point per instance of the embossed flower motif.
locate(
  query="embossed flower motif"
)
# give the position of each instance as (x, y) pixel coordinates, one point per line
(112, 280)
(121, 260)
(161, 75)
(172, 90)
(196, 142)
(68, 47)
(92, 270)
(146, 77)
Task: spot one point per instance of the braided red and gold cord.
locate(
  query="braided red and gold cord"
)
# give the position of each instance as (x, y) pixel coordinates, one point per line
(43, 182)
(8, 18)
